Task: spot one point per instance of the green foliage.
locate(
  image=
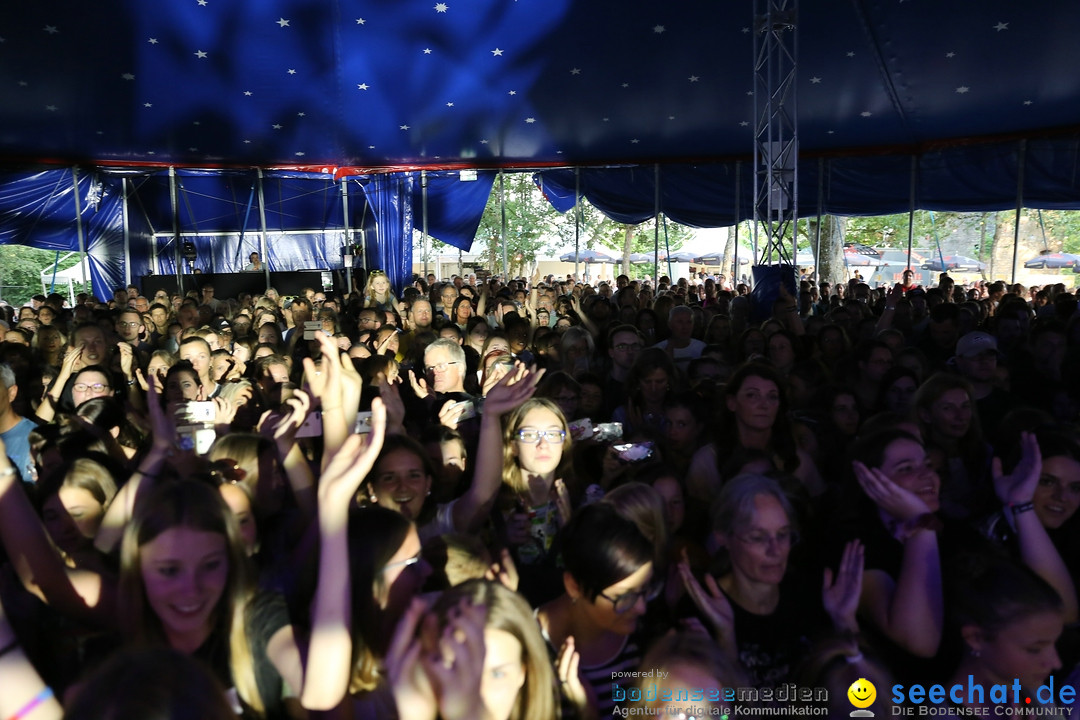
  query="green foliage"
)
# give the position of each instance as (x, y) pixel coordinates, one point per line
(20, 269)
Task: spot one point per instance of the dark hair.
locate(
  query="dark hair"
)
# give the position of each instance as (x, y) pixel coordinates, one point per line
(600, 548)
(156, 683)
(870, 449)
(375, 535)
(995, 592)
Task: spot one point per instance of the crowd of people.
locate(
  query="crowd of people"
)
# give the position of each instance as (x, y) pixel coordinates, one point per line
(472, 499)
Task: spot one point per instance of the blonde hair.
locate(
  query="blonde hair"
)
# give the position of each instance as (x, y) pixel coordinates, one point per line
(195, 506)
(369, 292)
(511, 474)
(509, 612)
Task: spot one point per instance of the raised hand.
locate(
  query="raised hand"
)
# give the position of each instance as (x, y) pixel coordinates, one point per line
(841, 598)
(409, 683)
(1019, 486)
(351, 463)
(504, 570)
(450, 414)
(713, 604)
(566, 671)
(901, 504)
(456, 668)
(419, 385)
(514, 388)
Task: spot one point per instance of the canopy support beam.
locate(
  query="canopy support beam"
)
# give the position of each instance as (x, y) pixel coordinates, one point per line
(174, 202)
(502, 210)
(424, 221)
(577, 220)
(1021, 160)
(347, 256)
(911, 210)
(79, 225)
(127, 230)
(262, 227)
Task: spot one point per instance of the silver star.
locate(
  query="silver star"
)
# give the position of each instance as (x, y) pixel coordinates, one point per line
(483, 142)
(300, 153)
(247, 93)
(749, 93)
(866, 113)
(607, 119)
(370, 147)
(635, 141)
(693, 78)
(200, 53)
(51, 29)
(148, 104)
(815, 80)
(23, 83)
(153, 41)
(100, 132)
(745, 30)
(670, 117)
(50, 108)
(1027, 102)
(360, 21)
(626, 85)
(301, 114)
(283, 23)
(658, 29)
(496, 52)
(512, 92)
(962, 89)
(575, 71)
(362, 86)
(1001, 26)
(530, 120)
(276, 126)
(449, 104)
(558, 152)
(404, 127)
(950, 54)
(202, 3)
(851, 53)
(744, 123)
(151, 152)
(830, 132)
(427, 51)
(291, 71)
(196, 123)
(193, 149)
(128, 76)
(441, 7)
(247, 142)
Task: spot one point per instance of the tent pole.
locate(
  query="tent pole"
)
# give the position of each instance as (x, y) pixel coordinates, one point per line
(911, 211)
(1021, 161)
(262, 227)
(738, 209)
(423, 215)
(127, 233)
(577, 218)
(817, 230)
(502, 209)
(348, 235)
(656, 227)
(79, 225)
(175, 201)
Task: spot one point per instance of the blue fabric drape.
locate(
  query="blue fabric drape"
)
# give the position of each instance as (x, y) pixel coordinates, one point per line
(455, 206)
(389, 196)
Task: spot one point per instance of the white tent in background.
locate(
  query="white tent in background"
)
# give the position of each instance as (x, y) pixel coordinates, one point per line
(78, 273)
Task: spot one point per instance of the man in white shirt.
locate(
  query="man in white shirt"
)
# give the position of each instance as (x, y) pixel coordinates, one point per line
(680, 345)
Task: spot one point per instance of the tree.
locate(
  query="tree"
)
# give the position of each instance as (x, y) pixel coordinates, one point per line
(20, 268)
(530, 224)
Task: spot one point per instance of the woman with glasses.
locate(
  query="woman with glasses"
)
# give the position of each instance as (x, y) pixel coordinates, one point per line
(760, 613)
(90, 382)
(607, 584)
(534, 501)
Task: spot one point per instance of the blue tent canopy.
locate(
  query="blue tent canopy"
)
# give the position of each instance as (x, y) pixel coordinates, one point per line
(963, 99)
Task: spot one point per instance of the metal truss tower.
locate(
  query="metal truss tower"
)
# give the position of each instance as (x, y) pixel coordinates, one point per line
(776, 140)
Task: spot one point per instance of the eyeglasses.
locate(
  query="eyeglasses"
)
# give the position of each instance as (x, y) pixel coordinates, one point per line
(532, 437)
(627, 601)
(377, 272)
(129, 324)
(96, 387)
(441, 367)
(228, 470)
(624, 347)
(402, 563)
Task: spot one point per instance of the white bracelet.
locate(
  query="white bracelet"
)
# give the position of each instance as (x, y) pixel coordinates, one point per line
(7, 472)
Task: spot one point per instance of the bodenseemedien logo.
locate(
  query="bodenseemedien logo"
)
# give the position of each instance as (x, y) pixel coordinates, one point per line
(862, 695)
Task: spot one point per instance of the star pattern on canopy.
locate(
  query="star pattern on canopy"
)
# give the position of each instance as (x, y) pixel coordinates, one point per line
(212, 76)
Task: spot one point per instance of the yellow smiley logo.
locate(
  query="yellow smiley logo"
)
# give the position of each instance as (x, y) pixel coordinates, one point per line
(862, 693)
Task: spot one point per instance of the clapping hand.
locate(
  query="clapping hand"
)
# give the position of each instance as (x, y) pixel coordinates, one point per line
(841, 597)
(1019, 486)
